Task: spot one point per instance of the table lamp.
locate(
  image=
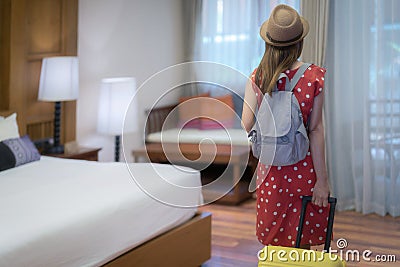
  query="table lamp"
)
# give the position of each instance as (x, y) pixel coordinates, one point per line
(116, 95)
(59, 81)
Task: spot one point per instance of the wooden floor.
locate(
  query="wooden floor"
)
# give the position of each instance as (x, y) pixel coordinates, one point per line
(234, 242)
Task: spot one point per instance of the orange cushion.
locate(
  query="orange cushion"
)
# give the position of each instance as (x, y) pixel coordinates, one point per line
(217, 112)
(189, 110)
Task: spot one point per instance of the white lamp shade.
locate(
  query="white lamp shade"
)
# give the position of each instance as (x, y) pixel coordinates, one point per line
(116, 94)
(59, 79)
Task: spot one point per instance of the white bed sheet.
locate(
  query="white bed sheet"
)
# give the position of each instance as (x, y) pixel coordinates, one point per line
(187, 135)
(61, 212)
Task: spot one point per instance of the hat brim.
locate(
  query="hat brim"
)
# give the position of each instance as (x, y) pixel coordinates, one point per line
(263, 31)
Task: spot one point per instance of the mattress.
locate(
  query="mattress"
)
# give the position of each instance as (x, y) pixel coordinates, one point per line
(63, 212)
(187, 135)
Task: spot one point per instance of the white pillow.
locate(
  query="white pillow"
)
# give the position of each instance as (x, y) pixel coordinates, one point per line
(9, 127)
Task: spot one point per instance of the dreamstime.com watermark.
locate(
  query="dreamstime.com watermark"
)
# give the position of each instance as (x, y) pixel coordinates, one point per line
(348, 255)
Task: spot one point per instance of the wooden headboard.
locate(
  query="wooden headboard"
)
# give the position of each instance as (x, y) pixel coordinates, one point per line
(156, 117)
(39, 29)
(5, 113)
(38, 130)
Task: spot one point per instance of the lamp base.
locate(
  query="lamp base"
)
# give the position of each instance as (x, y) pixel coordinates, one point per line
(55, 150)
(117, 144)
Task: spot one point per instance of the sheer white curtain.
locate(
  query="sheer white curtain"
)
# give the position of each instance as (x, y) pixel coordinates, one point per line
(363, 104)
(227, 31)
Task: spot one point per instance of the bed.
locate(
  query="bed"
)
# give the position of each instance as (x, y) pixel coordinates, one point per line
(65, 212)
(235, 137)
(162, 130)
(85, 213)
(163, 126)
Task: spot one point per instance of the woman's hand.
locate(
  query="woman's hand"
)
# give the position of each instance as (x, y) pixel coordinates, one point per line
(321, 193)
(317, 147)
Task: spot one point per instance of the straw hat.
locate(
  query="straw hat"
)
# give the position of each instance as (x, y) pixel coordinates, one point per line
(284, 27)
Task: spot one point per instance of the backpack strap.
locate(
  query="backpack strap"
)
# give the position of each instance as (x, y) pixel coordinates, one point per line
(297, 76)
(287, 83)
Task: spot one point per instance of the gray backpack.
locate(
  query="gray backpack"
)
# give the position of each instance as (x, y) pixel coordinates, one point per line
(279, 136)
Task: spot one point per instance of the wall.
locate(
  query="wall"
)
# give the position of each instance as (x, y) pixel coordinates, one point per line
(124, 38)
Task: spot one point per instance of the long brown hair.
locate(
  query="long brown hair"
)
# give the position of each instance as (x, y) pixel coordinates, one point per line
(275, 60)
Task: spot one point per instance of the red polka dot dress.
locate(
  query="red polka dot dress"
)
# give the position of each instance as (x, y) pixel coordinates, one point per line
(280, 188)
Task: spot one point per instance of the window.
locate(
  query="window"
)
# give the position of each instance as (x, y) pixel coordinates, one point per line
(384, 90)
(228, 31)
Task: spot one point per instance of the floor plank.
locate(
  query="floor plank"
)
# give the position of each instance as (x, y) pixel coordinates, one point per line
(234, 242)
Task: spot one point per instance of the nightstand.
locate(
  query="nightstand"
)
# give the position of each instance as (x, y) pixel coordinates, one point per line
(83, 153)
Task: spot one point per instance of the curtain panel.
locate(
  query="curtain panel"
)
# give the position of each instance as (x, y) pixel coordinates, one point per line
(317, 14)
(363, 104)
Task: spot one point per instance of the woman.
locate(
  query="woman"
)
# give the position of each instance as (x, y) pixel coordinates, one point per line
(279, 194)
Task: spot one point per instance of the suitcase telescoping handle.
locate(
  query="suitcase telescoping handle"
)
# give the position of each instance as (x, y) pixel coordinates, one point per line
(332, 201)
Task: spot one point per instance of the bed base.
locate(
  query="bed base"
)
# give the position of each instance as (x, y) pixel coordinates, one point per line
(186, 245)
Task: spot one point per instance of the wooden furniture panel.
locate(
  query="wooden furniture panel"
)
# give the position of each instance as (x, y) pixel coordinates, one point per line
(32, 83)
(186, 245)
(40, 130)
(40, 28)
(44, 21)
(83, 153)
(16, 64)
(5, 21)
